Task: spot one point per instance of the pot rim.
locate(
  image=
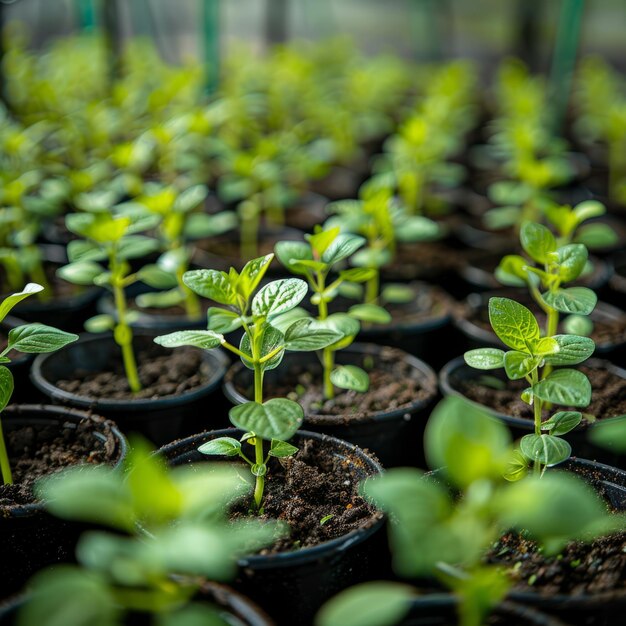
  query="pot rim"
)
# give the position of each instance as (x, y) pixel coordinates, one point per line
(302, 555)
(217, 359)
(426, 371)
(458, 362)
(48, 413)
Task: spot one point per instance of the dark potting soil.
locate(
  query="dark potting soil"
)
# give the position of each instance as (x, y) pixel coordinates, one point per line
(608, 398)
(162, 373)
(312, 486)
(416, 260)
(430, 302)
(394, 384)
(605, 331)
(37, 452)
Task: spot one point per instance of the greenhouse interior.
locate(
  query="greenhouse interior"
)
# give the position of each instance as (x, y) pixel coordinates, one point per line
(312, 313)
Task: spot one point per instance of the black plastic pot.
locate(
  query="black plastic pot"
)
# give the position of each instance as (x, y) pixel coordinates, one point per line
(67, 313)
(420, 332)
(457, 370)
(477, 336)
(440, 609)
(30, 538)
(234, 608)
(394, 436)
(291, 586)
(160, 419)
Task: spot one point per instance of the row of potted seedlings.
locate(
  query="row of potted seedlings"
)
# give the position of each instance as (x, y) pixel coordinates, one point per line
(291, 527)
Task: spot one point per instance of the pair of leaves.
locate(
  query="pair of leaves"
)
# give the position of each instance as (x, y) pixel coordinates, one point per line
(228, 446)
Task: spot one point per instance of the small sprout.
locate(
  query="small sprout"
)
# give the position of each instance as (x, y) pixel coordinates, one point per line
(326, 519)
(532, 579)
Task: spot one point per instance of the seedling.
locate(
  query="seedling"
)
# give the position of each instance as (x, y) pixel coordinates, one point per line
(383, 223)
(29, 339)
(181, 221)
(315, 259)
(531, 358)
(111, 239)
(262, 348)
(444, 524)
(165, 522)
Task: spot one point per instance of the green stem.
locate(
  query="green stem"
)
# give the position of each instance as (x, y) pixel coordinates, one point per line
(537, 404)
(249, 235)
(192, 302)
(371, 289)
(7, 478)
(258, 397)
(328, 356)
(124, 338)
(552, 324)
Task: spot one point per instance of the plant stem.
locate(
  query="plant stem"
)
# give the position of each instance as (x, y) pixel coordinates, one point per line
(552, 323)
(249, 233)
(537, 404)
(259, 485)
(371, 289)
(7, 478)
(328, 356)
(124, 336)
(192, 302)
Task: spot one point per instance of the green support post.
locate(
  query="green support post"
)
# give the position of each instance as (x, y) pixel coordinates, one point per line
(211, 44)
(564, 59)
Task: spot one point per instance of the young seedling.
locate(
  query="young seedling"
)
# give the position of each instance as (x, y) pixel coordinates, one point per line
(383, 223)
(444, 524)
(30, 339)
(111, 239)
(164, 522)
(181, 221)
(315, 259)
(262, 348)
(531, 358)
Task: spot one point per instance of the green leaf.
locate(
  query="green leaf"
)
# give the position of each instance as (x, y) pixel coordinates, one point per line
(367, 604)
(572, 260)
(6, 386)
(538, 241)
(205, 339)
(370, 313)
(281, 449)
(517, 467)
(80, 273)
(277, 418)
(306, 334)
(252, 274)
(562, 422)
(610, 433)
(320, 241)
(514, 324)
(512, 271)
(519, 364)
(160, 299)
(278, 297)
(200, 225)
(350, 377)
(155, 276)
(223, 321)
(343, 246)
(272, 339)
(545, 449)
(357, 274)
(485, 358)
(396, 293)
(136, 246)
(596, 236)
(417, 228)
(191, 198)
(371, 257)
(578, 300)
(566, 387)
(288, 252)
(502, 217)
(470, 444)
(10, 301)
(573, 349)
(223, 446)
(100, 323)
(344, 324)
(211, 284)
(588, 209)
(37, 338)
(85, 251)
(578, 325)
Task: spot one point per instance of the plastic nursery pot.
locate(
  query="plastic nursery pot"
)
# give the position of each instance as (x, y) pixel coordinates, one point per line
(291, 586)
(585, 609)
(69, 306)
(472, 320)
(30, 538)
(234, 608)
(421, 327)
(440, 609)
(160, 419)
(394, 435)
(457, 375)
(479, 270)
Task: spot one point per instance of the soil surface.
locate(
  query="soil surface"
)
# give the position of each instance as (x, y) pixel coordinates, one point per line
(161, 373)
(394, 384)
(608, 398)
(424, 259)
(36, 452)
(305, 489)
